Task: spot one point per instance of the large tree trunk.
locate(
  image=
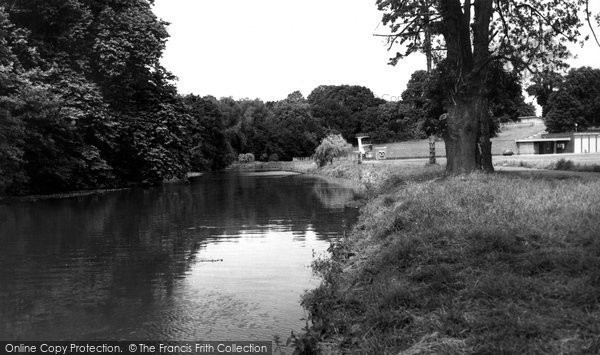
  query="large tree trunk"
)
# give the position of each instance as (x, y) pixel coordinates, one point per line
(468, 145)
(467, 149)
(461, 135)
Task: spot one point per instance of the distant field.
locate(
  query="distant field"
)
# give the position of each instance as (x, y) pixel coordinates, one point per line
(542, 161)
(420, 148)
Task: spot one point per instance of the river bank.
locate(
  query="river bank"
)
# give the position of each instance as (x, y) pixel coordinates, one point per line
(35, 198)
(469, 264)
(368, 177)
(5, 200)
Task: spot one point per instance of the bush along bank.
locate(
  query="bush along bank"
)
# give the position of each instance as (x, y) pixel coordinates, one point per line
(471, 264)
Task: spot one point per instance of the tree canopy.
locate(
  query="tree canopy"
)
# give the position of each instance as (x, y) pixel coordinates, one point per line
(84, 100)
(425, 98)
(340, 108)
(576, 101)
(542, 86)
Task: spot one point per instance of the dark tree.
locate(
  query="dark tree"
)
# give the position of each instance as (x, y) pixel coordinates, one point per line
(210, 148)
(577, 101)
(505, 94)
(543, 85)
(425, 95)
(297, 131)
(341, 108)
(85, 101)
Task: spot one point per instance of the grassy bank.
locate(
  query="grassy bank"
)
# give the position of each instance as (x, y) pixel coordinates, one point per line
(476, 264)
(556, 164)
(35, 198)
(297, 166)
(373, 176)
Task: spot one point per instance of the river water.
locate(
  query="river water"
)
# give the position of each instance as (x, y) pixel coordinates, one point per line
(225, 257)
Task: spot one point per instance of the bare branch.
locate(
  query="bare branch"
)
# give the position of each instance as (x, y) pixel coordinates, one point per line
(589, 21)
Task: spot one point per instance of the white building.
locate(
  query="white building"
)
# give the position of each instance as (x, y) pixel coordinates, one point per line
(586, 142)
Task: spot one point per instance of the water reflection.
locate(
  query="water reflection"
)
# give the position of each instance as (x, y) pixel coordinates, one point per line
(225, 257)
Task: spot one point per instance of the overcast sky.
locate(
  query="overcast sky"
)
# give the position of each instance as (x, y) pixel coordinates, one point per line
(269, 48)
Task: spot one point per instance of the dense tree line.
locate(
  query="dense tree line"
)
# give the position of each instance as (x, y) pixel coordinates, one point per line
(570, 102)
(294, 127)
(85, 103)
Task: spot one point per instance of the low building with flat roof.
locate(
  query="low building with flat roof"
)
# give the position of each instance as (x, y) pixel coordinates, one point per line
(560, 143)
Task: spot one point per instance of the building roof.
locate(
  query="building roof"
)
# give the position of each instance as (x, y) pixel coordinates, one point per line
(535, 140)
(588, 133)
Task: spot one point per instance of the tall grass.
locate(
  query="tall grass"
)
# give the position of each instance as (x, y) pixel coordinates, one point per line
(476, 264)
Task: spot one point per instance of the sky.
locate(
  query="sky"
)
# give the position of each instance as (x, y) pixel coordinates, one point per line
(267, 49)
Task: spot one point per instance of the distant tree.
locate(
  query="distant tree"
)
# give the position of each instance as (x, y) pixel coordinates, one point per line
(210, 147)
(543, 85)
(526, 109)
(425, 96)
(564, 112)
(577, 101)
(392, 121)
(331, 147)
(341, 108)
(296, 96)
(294, 129)
(504, 94)
(417, 89)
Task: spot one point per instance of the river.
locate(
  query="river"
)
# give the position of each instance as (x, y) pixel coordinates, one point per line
(225, 257)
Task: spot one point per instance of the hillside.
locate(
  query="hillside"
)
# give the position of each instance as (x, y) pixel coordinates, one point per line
(420, 148)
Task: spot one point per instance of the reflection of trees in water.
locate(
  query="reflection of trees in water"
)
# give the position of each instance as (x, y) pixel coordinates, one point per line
(76, 267)
(81, 266)
(331, 196)
(293, 200)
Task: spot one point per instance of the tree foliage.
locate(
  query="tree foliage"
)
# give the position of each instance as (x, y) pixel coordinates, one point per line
(577, 101)
(332, 146)
(425, 98)
(210, 148)
(542, 86)
(84, 100)
(341, 108)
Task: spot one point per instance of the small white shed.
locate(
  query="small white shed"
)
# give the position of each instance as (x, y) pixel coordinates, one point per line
(586, 142)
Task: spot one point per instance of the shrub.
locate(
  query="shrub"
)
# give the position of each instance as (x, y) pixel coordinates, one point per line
(564, 165)
(274, 157)
(246, 158)
(331, 147)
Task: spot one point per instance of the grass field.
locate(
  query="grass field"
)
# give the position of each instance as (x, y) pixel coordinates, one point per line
(545, 161)
(420, 148)
(471, 264)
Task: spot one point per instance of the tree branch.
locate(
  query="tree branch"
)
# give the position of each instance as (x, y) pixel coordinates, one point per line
(546, 20)
(587, 14)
